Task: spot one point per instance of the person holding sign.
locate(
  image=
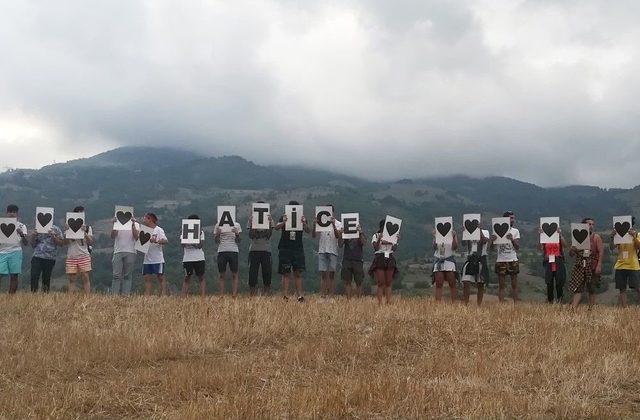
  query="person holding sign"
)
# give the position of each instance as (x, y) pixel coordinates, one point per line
(11, 249)
(383, 267)
(444, 265)
(327, 247)
(228, 251)
(476, 268)
(78, 252)
(291, 250)
(588, 266)
(153, 263)
(193, 262)
(45, 249)
(553, 262)
(260, 252)
(352, 261)
(507, 260)
(124, 255)
(627, 265)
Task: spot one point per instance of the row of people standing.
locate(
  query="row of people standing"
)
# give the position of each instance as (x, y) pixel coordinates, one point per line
(291, 258)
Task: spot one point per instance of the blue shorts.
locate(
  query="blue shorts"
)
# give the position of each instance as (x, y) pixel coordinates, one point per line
(153, 268)
(11, 263)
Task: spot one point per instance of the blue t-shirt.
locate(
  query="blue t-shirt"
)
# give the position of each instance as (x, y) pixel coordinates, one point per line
(44, 246)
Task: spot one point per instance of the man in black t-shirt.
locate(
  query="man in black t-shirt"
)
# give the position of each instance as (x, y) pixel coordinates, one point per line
(352, 265)
(291, 255)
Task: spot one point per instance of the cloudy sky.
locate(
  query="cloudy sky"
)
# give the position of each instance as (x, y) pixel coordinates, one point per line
(544, 91)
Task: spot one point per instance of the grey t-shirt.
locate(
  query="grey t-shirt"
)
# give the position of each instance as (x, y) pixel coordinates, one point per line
(260, 239)
(228, 241)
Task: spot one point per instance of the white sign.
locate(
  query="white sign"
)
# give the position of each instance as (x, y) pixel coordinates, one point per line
(144, 239)
(391, 229)
(350, 223)
(323, 217)
(444, 230)
(501, 227)
(294, 217)
(260, 216)
(226, 218)
(549, 227)
(471, 227)
(44, 219)
(622, 225)
(9, 230)
(123, 215)
(580, 236)
(75, 225)
(190, 232)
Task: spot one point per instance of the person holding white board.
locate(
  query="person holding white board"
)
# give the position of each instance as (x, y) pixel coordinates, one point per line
(384, 267)
(627, 265)
(444, 266)
(45, 250)
(260, 255)
(476, 268)
(124, 256)
(78, 251)
(291, 252)
(153, 263)
(193, 261)
(588, 265)
(11, 250)
(507, 260)
(554, 270)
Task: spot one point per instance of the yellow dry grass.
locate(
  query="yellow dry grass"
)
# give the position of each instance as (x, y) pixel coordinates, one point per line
(104, 357)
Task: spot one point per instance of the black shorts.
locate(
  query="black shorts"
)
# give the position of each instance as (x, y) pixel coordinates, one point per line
(352, 270)
(191, 266)
(626, 278)
(230, 258)
(291, 260)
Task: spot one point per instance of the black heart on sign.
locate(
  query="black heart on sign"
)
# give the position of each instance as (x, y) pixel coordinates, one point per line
(501, 229)
(443, 228)
(7, 229)
(44, 218)
(123, 217)
(471, 225)
(622, 228)
(75, 224)
(549, 228)
(580, 234)
(144, 237)
(392, 228)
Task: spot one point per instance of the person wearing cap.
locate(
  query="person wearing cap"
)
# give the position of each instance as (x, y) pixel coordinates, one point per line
(507, 259)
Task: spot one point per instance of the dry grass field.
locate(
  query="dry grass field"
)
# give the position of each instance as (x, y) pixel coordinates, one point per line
(102, 357)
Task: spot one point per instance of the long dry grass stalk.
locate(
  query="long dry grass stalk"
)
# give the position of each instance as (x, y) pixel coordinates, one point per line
(99, 356)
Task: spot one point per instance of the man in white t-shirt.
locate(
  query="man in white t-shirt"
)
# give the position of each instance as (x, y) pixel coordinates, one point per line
(193, 262)
(507, 260)
(153, 263)
(328, 254)
(124, 257)
(228, 255)
(11, 254)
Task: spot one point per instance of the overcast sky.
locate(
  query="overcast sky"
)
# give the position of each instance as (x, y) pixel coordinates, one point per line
(543, 91)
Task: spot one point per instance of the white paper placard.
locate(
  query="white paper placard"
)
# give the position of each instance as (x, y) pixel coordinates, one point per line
(190, 234)
(260, 216)
(471, 227)
(123, 215)
(549, 226)
(501, 226)
(9, 230)
(323, 219)
(144, 237)
(294, 217)
(226, 218)
(580, 236)
(44, 219)
(622, 225)
(350, 223)
(75, 223)
(391, 229)
(444, 230)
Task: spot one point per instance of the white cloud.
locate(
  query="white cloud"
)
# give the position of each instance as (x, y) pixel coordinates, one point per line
(543, 91)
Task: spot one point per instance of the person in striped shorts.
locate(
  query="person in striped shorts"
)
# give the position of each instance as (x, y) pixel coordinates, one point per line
(79, 257)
